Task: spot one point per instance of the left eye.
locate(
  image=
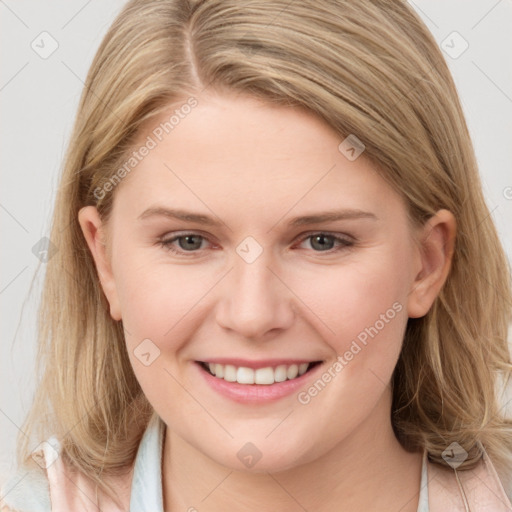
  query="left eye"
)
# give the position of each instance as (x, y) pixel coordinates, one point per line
(189, 242)
(323, 242)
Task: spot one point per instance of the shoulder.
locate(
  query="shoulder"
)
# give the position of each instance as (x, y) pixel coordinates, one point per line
(51, 477)
(24, 491)
(28, 489)
(53, 480)
(478, 488)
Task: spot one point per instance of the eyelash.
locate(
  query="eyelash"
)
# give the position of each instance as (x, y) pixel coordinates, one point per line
(344, 243)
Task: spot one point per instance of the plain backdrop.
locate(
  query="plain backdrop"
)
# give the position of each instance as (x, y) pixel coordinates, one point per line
(39, 95)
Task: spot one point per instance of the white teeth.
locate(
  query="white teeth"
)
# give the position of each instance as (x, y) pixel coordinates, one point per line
(266, 376)
(229, 373)
(219, 370)
(302, 368)
(280, 373)
(292, 371)
(245, 375)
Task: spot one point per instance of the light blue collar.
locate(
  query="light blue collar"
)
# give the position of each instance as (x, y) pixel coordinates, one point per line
(147, 474)
(423, 501)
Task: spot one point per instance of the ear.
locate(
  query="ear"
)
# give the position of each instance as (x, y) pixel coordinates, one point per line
(95, 234)
(436, 243)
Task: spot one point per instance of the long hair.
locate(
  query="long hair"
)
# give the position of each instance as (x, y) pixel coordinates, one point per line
(369, 68)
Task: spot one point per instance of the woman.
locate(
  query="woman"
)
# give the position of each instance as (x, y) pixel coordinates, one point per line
(282, 287)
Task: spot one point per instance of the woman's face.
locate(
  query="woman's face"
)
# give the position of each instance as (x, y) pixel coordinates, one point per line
(293, 255)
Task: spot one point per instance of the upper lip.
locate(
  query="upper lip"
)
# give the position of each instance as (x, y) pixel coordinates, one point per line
(261, 363)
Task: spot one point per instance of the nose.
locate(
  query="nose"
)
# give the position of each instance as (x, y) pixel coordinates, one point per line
(254, 301)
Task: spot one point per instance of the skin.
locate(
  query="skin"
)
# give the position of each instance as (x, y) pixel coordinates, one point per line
(253, 167)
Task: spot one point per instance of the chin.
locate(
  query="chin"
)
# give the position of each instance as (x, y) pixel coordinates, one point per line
(249, 459)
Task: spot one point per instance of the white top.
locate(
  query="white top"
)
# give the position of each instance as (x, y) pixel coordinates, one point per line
(28, 491)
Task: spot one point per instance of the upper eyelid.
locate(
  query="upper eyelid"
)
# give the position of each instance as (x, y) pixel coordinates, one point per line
(302, 237)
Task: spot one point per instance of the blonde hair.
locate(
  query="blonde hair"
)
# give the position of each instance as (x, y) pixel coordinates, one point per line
(368, 68)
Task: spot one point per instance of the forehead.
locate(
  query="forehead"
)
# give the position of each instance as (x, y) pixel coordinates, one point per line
(239, 151)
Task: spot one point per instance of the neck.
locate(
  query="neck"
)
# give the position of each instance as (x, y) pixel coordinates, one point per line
(368, 471)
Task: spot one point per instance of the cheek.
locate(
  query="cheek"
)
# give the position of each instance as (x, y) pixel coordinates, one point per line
(363, 317)
(159, 304)
(359, 308)
(354, 300)
(158, 298)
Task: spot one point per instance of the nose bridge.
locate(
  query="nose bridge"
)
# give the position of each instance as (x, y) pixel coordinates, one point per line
(254, 280)
(253, 299)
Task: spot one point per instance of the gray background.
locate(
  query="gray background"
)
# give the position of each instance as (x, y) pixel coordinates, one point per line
(39, 97)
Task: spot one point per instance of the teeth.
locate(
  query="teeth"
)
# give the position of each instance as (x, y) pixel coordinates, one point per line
(266, 376)
(219, 370)
(245, 375)
(292, 371)
(229, 373)
(280, 373)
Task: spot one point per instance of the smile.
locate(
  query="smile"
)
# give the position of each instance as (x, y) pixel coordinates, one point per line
(265, 376)
(253, 382)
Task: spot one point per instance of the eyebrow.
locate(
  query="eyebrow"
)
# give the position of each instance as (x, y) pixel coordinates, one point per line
(331, 216)
(160, 211)
(198, 218)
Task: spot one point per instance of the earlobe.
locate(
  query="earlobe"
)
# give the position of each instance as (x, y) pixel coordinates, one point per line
(94, 233)
(436, 246)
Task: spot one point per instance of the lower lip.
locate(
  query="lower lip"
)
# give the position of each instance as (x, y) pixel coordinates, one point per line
(256, 393)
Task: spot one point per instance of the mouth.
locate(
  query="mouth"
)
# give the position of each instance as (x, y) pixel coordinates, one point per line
(266, 376)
